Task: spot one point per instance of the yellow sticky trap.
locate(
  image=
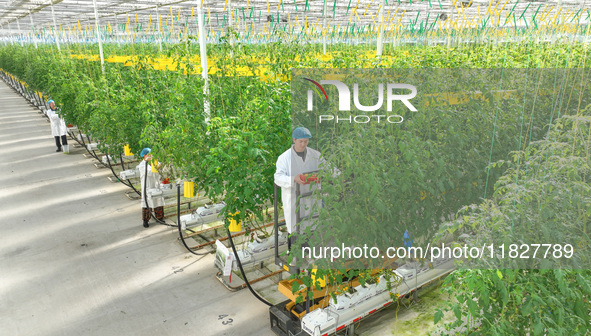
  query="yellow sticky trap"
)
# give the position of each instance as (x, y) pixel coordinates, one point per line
(127, 151)
(154, 165)
(321, 281)
(189, 189)
(235, 225)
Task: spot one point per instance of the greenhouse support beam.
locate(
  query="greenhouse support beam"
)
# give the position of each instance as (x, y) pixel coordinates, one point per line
(581, 3)
(380, 45)
(33, 28)
(203, 56)
(230, 27)
(159, 33)
(57, 38)
(98, 36)
(451, 20)
(18, 32)
(324, 26)
(3, 37)
(10, 35)
(117, 30)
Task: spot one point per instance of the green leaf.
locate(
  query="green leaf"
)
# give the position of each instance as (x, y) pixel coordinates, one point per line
(504, 293)
(473, 307)
(581, 310)
(499, 274)
(527, 308)
(295, 286)
(438, 316)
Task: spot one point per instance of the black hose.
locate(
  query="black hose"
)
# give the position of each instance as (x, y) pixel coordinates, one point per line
(123, 167)
(144, 195)
(85, 146)
(121, 158)
(117, 177)
(73, 137)
(93, 154)
(244, 274)
(178, 220)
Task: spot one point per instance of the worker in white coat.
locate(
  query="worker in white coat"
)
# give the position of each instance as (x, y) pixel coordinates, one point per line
(58, 126)
(150, 181)
(299, 159)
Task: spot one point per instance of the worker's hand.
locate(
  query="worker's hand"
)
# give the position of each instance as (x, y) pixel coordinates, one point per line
(298, 179)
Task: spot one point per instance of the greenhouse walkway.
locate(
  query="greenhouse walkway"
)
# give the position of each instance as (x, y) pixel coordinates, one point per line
(75, 259)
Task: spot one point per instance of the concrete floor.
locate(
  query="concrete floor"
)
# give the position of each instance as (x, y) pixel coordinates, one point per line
(75, 259)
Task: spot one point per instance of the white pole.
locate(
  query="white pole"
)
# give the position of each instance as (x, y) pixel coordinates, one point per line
(588, 23)
(10, 32)
(18, 27)
(159, 33)
(117, 30)
(203, 56)
(230, 27)
(33, 28)
(98, 36)
(57, 38)
(579, 18)
(229, 13)
(324, 27)
(3, 37)
(380, 46)
(451, 20)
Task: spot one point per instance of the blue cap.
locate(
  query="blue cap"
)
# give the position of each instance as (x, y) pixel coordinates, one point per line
(145, 152)
(301, 132)
(50, 101)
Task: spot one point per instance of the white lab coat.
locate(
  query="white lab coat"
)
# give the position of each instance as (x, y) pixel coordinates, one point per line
(152, 182)
(289, 165)
(58, 125)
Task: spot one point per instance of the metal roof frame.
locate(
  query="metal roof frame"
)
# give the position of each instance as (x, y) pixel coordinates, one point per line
(261, 14)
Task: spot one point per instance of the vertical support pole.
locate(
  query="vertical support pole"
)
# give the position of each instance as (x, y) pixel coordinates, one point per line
(116, 32)
(4, 37)
(229, 13)
(324, 27)
(451, 20)
(230, 27)
(10, 35)
(67, 38)
(203, 56)
(395, 40)
(159, 33)
(33, 28)
(56, 35)
(380, 45)
(18, 29)
(581, 2)
(98, 36)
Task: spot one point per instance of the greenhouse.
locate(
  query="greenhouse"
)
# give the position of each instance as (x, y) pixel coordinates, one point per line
(295, 167)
